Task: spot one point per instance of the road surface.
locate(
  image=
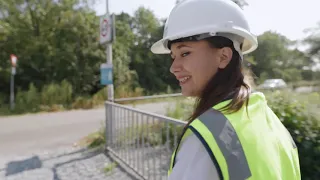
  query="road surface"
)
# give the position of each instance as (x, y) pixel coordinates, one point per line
(25, 134)
(40, 146)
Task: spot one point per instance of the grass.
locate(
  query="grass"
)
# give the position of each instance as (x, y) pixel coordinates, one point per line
(94, 140)
(110, 167)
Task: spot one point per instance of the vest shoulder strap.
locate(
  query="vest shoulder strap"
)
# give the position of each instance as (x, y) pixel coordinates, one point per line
(222, 143)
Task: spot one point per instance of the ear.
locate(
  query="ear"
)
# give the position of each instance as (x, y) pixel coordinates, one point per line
(225, 57)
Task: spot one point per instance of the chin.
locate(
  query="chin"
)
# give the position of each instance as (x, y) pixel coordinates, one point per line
(188, 93)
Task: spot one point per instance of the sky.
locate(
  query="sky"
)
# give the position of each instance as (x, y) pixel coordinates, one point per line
(288, 17)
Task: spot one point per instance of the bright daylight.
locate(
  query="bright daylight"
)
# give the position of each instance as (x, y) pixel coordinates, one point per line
(159, 90)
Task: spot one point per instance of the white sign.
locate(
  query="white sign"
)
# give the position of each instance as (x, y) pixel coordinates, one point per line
(106, 29)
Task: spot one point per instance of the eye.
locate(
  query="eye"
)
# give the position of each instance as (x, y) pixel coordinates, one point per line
(185, 54)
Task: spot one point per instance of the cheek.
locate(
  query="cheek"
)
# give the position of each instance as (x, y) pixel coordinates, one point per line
(204, 70)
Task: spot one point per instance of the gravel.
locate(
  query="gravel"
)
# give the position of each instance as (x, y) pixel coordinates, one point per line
(87, 164)
(62, 164)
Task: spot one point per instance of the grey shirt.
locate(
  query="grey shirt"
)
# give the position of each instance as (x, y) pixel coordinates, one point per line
(193, 162)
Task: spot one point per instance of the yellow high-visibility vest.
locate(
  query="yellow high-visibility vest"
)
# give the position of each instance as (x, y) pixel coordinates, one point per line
(242, 147)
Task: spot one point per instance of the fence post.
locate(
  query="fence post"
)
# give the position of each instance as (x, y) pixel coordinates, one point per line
(109, 119)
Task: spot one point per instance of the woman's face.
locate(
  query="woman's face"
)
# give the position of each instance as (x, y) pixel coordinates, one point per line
(195, 63)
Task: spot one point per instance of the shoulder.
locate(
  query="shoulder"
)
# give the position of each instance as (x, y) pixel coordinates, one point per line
(193, 162)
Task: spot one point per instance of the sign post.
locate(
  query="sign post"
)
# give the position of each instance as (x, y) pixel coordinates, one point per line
(107, 36)
(13, 72)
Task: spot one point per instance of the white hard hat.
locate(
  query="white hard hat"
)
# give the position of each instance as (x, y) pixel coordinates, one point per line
(207, 18)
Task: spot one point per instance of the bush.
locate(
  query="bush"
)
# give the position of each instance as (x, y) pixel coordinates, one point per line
(57, 93)
(29, 99)
(124, 91)
(83, 103)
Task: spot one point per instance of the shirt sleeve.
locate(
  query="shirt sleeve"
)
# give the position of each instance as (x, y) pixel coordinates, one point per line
(193, 162)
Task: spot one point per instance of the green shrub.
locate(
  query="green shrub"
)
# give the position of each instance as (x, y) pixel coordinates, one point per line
(124, 91)
(27, 100)
(82, 103)
(57, 93)
(101, 95)
(66, 92)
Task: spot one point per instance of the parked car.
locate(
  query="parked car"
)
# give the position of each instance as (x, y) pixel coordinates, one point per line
(273, 84)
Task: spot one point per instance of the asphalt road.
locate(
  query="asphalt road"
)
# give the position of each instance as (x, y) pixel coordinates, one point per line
(22, 135)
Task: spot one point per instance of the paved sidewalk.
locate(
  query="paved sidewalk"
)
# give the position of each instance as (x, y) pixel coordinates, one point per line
(61, 164)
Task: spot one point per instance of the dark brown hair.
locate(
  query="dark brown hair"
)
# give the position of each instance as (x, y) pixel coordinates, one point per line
(227, 83)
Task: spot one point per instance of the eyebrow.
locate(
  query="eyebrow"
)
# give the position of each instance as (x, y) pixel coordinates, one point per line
(181, 46)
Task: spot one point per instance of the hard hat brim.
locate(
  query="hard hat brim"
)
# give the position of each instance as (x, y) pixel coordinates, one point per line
(250, 41)
(160, 48)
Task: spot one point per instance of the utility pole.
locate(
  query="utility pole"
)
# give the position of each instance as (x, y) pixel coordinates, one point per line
(109, 59)
(107, 36)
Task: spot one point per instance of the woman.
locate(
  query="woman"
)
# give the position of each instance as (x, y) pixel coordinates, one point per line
(232, 133)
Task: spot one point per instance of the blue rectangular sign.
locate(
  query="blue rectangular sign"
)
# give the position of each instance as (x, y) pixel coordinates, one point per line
(106, 74)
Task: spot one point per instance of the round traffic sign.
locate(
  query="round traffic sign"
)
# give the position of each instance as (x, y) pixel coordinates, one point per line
(104, 28)
(13, 60)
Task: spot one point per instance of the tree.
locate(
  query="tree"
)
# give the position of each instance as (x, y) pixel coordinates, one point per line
(274, 59)
(153, 70)
(53, 40)
(313, 41)
(123, 76)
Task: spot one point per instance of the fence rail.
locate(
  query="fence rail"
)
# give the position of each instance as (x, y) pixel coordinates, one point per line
(148, 97)
(142, 140)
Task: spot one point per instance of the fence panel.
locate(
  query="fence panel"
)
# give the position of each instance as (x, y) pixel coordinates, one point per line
(142, 140)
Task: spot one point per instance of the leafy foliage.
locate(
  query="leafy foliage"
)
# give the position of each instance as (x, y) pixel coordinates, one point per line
(274, 59)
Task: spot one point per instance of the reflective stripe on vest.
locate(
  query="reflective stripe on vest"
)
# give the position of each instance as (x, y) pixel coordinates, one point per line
(219, 134)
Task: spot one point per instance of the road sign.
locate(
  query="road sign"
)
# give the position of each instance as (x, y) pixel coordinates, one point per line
(13, 60)
(107, 29)
(106, 74)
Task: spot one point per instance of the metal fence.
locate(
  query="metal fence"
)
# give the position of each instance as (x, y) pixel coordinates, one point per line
(148, 97)
(142, 140)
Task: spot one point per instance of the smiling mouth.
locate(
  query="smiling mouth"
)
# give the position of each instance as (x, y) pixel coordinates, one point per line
(184, 80)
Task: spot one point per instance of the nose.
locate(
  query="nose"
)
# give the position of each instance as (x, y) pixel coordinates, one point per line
(176, 66)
